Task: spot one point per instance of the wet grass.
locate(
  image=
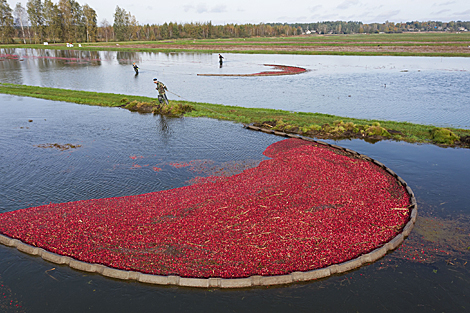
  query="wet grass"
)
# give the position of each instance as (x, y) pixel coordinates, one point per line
(315, 125)
(68, 95)
(328, 126)
(132, 103)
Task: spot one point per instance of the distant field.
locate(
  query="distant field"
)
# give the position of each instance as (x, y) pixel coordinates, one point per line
(404, 44)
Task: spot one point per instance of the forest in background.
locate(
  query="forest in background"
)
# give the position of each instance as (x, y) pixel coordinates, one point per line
(68, 21)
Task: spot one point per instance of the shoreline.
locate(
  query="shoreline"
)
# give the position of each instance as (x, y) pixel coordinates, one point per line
(404, 44)
(314, 125)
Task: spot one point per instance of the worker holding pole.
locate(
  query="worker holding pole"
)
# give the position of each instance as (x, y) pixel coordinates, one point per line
(161, 91)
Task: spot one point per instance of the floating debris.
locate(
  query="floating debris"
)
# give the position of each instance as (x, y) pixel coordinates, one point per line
(64, 147)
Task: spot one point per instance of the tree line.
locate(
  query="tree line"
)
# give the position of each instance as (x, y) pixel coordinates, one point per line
(68, 21)
(352, 27)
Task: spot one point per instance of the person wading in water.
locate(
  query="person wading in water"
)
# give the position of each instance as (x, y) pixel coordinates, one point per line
(221, 59)
(136, 68)
(161, 91)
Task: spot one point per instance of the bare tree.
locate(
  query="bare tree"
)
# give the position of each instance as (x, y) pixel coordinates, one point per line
(105, 28)
(21, 19)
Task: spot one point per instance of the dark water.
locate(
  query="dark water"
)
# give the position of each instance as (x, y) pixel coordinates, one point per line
(117, 155)
(424, 90)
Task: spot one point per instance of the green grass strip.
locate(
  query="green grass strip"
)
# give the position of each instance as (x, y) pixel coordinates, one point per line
(229, 50)
(68, 95)
(411, 132)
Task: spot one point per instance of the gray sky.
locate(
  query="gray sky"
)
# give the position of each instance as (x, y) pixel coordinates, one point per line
(302, 11)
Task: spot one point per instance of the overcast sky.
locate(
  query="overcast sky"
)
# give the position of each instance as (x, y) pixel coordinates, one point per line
(284, 11)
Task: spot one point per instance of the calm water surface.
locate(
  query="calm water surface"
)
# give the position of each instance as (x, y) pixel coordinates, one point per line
(117, 155)
(421, 90)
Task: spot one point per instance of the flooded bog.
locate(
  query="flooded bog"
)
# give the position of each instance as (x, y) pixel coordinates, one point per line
(61, 152)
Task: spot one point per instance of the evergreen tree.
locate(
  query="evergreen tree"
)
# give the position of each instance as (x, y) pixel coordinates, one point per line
(73, 22)
(133, 27)
(35, 14)
(78, 22)
(52, 21)
(65, 8)
(121, 24)
(90, 23)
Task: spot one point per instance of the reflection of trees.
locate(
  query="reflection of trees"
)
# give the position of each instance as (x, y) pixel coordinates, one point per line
(74, 56)
(7, 51)
(10, 71)
(10, 66)
(46, 58)
(108, 55)
(127, 57)
(94, 55)
(43, 63)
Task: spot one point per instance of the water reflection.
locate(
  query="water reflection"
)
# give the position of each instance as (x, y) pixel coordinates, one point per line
(10, 72)
(127, 57)
(163, 126)
(418, 89)
(67, 55)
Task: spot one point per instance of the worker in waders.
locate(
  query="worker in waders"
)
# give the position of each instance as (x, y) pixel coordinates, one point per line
(221, 60)
(136, 68)
(161, 91)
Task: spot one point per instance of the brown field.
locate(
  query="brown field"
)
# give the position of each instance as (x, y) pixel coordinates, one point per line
(298, 47)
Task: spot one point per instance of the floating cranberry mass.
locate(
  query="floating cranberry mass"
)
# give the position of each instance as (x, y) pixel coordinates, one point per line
(278, 70)
(307, 207)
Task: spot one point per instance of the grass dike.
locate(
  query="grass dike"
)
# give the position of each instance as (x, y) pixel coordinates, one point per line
(314, 125)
